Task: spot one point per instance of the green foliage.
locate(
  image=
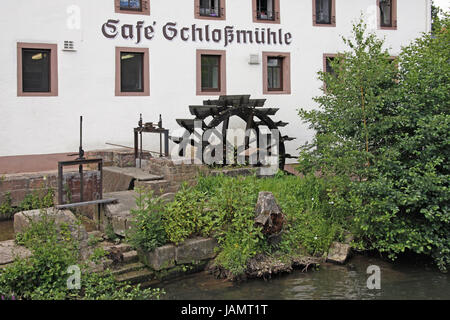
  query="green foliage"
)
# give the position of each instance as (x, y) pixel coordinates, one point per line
(147, 230)
(44, 275)
(109, 232)
(228, 205)
(6, 210)
(388, 129)
(186, 217)
(31, 201)
(36, 201)
(358, 97)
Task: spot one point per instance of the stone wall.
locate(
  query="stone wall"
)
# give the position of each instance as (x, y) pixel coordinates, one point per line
(172, 171)
(192, 251)
(116, 157)
(19, 185)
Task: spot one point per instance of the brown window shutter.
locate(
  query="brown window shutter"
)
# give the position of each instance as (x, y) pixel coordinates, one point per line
(222, 12)
(333, 19)
(197, 9)
(117, 5)
(395, 23)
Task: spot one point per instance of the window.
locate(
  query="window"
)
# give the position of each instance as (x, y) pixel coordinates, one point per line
(327, 60)
(276, 73)
(37, 69)
(132, 6)
(132, 72)
(387, 14)
(211, 73)
(324, 13)
(266, 11)
(210, 9)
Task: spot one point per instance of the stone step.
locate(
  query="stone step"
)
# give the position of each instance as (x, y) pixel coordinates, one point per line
(122, 269)
(122, 179)
(135, 277)
(122, 248)
(118, 214)
(135, 173)
(130, 257)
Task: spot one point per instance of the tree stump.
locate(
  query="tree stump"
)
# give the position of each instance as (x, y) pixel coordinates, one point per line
(269, 216)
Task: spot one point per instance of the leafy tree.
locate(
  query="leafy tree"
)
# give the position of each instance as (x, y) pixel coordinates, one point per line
(388, 129)
(357, 97)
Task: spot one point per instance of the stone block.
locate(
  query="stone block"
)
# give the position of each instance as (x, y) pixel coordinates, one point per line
(9, 250)
(23, 220)
(160, 258)
(119, 224)
(196, 249)
(338, 252)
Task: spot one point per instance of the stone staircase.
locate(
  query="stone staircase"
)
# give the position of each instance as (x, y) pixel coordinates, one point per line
(125, 265)
(120, 183)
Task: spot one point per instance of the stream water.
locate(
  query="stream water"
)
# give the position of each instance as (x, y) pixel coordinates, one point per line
(401, 280)
(6, 230)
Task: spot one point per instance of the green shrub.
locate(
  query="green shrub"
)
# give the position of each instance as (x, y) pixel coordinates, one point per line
(147, 231)
(387, 125)
(31, 201)
(228, 205)
(44, 275)
(187, 216)
(6, 210)
(36, 200)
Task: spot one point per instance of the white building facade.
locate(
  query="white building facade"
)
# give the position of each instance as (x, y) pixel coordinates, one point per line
(111, 60)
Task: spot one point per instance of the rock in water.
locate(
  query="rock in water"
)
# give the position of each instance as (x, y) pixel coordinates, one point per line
(269, 215)
(339, 252)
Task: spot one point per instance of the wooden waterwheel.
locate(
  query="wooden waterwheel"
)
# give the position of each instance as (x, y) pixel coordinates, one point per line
(215, 113)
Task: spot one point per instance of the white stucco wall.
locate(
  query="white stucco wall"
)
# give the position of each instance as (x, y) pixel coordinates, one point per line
(38, 125)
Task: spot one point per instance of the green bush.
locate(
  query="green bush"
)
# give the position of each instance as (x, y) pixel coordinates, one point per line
(31, 201)
(36, 200)
(44, 275)
(386, 126)
(6, 210)
(147, 231)
(186, 216)
(228, 204)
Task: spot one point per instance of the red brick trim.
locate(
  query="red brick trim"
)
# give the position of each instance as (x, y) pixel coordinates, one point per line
(223, 72)
(394, 16)
(145, 8)
(333, 15)
(223, 11)
(277, 13)
(146, 73)
(286, 72)
(53, 69)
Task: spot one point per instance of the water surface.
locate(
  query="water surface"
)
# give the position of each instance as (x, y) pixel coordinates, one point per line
(6, 230)
(398, 281)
